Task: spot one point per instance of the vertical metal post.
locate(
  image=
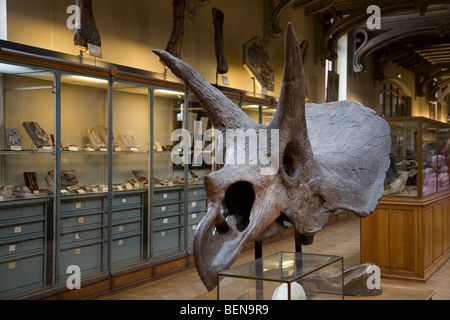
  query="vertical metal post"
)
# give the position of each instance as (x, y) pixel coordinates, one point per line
(151, 175)
(110, 174)
(186, 177)
(57, 169)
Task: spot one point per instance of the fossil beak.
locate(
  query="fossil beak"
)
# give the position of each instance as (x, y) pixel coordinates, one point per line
(237, 213)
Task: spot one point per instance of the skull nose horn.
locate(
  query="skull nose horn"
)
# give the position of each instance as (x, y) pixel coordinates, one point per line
(222, 113)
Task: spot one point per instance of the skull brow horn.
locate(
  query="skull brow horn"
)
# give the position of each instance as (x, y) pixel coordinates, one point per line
(290, 117)
(222, 113)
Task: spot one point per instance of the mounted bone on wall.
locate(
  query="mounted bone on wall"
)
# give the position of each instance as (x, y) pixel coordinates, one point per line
(218, 19)
(87, 37)
(332, 157)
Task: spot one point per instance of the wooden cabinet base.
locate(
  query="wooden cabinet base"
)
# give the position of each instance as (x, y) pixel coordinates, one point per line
(408, 238)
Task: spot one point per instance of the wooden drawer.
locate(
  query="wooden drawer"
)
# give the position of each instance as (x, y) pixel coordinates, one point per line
(81, 220)
(89, 258)
(126, 200)
(166, 209)
(82, 204)
(22, 229)
(166, 241)
(9, 213)
(127, 215)
(166, 196)
(74, 238)
(21, 275)
(120, 229)
(126, 251)
(167, 222)
(22, 247)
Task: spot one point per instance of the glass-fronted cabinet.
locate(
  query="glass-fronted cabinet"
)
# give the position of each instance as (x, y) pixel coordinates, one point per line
(419, 157)
(26, 156)
(130, 144)
(82, 221)
(101, 174)
(168, 172)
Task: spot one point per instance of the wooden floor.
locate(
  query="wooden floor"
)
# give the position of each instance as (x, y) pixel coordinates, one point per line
(341, 239)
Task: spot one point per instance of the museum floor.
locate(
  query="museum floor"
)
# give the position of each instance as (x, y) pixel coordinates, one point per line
(340, 239)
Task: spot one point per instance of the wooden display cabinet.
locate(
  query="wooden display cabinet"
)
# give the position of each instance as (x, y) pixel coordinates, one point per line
(408, 235)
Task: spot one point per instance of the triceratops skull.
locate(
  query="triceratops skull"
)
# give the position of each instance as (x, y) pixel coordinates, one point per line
(332, 157)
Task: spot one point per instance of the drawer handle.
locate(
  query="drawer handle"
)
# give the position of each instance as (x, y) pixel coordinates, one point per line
(124, 200)
(163, 234)
(121, 228)
(121, 242)
(78, 251)
(81, 220)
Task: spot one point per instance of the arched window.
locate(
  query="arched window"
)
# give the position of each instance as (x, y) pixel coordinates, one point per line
(394, 101)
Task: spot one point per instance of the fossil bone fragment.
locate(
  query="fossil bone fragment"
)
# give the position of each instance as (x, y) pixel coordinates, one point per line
(176, 38)
(222, 64)
(331, 157)
(88, 33)
(362, 280)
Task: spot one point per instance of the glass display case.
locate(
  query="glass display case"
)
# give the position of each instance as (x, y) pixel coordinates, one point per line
(27, 123)
(284, 276)
(95, 173)
(419, 157)
(168, 173)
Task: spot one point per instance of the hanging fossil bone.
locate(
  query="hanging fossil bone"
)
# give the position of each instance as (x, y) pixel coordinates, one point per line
(222, 64)
(176, 38)
(331, 157)
(88, 33)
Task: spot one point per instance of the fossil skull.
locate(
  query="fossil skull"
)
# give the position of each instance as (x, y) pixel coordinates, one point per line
(332, 157)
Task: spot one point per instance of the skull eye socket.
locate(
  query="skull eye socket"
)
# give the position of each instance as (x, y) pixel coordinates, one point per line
(239, 199)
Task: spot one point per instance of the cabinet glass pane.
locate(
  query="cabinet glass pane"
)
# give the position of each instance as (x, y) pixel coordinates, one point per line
(435, 172)
(401, 177)
(169, 121)
(84, 125)
(252, 110)
(28, 123)
(444, 150)
(267, 114)
(201, 151)
(131, 123)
